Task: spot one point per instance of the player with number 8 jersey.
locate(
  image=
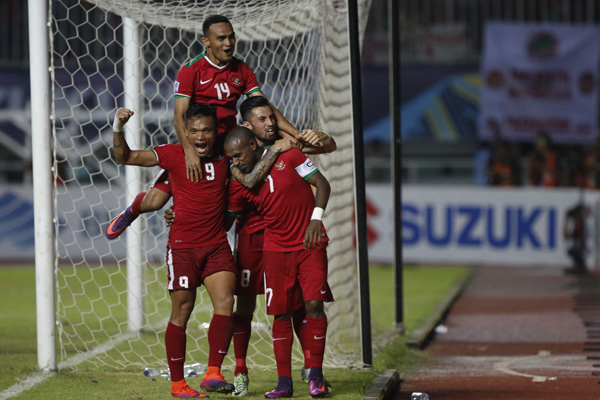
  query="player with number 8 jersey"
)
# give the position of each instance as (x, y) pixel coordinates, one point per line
(294, 251)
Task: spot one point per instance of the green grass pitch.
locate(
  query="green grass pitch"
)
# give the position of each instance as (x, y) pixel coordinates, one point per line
(423, 289)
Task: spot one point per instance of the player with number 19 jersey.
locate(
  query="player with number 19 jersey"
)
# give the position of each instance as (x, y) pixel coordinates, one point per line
(205, 82)
(200, 206)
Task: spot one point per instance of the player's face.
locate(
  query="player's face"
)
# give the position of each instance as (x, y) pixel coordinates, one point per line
(220, 43)
(264, 125)
(202, 132)
(243, 155)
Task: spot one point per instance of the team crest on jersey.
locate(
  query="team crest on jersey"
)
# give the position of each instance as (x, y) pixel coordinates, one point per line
(280, 165)
(236, 80)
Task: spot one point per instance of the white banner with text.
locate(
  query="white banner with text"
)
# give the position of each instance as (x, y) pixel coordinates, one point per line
(475, 225)
(540, 78)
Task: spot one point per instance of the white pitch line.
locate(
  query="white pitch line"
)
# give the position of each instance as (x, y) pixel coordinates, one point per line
(29, 381)
(503, 366)
(25, 384)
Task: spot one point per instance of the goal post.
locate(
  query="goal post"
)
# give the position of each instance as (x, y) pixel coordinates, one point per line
(42, 161)
(132, 58)
(112, 303)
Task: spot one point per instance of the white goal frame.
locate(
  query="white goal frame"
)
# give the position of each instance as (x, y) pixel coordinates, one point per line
(43, 155)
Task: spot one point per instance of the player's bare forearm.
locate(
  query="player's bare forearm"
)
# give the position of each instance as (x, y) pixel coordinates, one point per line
(317, 142)
(192, 162)
(123, 154)
(323, 189)
(120, 148)
(309, 149)
(259, 172)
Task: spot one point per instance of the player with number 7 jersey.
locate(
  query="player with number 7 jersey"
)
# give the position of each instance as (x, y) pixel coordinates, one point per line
(294, 251)
(198, 252)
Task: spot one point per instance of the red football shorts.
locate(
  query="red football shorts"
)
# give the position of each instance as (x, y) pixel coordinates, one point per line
(294, 277)
(250, 264)
(161, 182)
(187, 268)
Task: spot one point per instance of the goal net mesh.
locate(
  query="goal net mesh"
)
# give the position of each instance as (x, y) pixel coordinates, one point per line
(300, 53)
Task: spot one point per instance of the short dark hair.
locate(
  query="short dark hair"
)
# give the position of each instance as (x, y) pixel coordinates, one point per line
(211, 20)
(250, 104)
(239, 133)
(197, 110)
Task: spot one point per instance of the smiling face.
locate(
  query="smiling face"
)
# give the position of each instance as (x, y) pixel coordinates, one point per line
(202, 133)
(220, 43)
(264, 125)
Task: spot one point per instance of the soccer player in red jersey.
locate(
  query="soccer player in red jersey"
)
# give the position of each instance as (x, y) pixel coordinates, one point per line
(294, 251)
(214, 77)
(260, 118)
(198, 252)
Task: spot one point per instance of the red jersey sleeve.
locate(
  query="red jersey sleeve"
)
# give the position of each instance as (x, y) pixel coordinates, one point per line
(250, 79)
(164, 155)
(184, 84)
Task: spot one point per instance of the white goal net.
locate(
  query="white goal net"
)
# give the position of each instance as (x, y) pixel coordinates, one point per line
(112, 301)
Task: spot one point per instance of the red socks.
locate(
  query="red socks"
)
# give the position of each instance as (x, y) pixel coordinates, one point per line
(219, 338)
(283, 337)
(242, 329)
(301, 329)
(175, 345)
(317, 329)
(136, 207)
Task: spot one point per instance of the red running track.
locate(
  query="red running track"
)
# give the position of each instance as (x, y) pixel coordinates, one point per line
(516, 334)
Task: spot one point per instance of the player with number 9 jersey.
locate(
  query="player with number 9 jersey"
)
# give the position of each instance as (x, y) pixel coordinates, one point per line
(200, 206)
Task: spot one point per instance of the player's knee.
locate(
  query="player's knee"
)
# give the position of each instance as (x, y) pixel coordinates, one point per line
(315, 309)
(181, 314)
(223, 304)
(154, 200)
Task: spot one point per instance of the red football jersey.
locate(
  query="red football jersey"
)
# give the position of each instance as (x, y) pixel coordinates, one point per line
(199, 206)
(249, 221)
(285, 200)
(205, 82)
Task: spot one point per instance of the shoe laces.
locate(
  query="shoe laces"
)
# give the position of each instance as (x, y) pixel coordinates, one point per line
(282, 387)
(240, 383)
(123, 220)
(189, 390)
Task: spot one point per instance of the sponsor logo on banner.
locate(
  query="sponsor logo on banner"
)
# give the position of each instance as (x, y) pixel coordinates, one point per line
(476, 226)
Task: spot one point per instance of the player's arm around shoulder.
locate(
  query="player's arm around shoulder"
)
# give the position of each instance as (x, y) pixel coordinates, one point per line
(123, 154)
(317, 142)
(263, 166)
